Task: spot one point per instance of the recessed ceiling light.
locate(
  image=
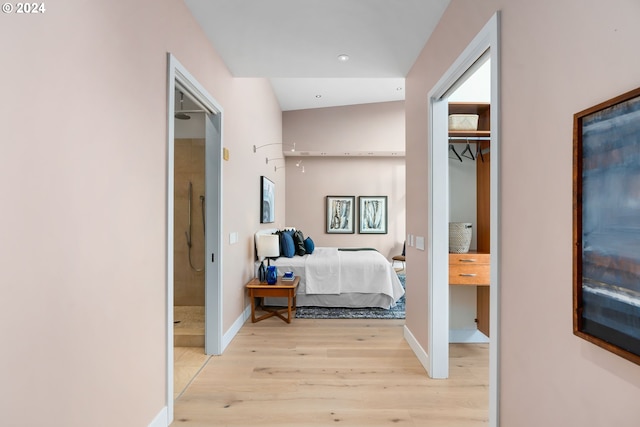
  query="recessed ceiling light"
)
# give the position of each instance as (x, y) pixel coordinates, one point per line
(399, 88)
(318, 96)
(343, 57)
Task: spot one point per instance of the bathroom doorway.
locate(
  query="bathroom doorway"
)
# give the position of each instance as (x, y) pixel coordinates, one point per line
(189, 240)
(194, 219)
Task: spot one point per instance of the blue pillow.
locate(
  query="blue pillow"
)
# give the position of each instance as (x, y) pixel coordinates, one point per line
(288, 248)
(309, 246)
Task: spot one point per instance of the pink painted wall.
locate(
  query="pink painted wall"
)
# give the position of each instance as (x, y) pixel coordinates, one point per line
(83, 180)
(364, 129)
(558, 58)
(361, 128)
(345, 176)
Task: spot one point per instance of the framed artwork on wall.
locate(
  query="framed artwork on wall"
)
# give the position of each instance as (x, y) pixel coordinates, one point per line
(267, 200)
(373, 214)
(340, 214)
(606, 225)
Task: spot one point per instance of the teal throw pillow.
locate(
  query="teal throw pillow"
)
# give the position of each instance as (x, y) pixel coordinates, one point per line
(309, 246)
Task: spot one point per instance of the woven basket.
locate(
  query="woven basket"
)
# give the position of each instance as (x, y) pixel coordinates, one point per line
(459, 237)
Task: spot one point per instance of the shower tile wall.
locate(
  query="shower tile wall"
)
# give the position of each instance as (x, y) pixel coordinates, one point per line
(189, 166)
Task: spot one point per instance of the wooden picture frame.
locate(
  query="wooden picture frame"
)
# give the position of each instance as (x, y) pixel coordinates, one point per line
(373, 214)
(267, 200)
(606, 225)
(340, 214)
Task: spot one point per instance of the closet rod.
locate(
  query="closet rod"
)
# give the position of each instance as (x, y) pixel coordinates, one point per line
(470, 138)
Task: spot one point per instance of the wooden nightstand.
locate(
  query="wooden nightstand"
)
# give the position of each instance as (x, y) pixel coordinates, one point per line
(281, 288)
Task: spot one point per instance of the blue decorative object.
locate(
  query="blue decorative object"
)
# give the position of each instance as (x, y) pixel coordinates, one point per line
(309, 246)
(272, 275)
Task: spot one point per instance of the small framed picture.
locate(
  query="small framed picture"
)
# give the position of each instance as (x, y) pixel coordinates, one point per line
(340, 214)
(267, 200)
(373, 215)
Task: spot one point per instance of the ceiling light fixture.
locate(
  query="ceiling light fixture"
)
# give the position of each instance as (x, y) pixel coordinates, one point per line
(343, 57)
(318, 96)
(277, 158)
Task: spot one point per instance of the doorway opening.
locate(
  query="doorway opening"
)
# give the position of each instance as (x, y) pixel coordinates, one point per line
(484, 47)
(194, 218)
(189, 240)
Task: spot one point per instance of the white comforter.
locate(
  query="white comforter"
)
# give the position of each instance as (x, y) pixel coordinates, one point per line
(330, 271)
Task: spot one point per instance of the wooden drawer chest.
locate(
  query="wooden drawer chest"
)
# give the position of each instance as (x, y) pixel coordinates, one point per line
(473, 269)
(469, 269)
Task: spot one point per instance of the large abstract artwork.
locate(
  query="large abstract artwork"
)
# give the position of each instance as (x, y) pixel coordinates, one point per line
(340, 214)
(606, 295)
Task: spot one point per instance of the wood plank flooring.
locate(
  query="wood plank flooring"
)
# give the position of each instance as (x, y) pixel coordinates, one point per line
(187, 362)
(333, 372)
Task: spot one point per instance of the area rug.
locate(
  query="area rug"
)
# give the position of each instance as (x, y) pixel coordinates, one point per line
(396, 312)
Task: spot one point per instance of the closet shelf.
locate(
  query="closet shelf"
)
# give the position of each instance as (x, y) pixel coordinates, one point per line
(469, 133)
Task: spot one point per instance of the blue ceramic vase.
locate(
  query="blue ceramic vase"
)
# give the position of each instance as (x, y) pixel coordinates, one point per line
(272, 274)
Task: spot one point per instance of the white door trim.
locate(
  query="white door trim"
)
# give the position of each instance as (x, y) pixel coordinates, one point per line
(487, 40)
(176, 72)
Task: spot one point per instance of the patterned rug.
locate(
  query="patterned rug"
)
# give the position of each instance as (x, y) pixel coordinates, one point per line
(396, 312)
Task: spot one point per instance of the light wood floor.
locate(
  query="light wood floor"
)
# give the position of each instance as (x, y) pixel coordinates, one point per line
(187, 362)
(333, 372)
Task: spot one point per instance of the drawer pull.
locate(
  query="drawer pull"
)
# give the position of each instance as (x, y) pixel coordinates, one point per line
(468, 274)
(467, 260)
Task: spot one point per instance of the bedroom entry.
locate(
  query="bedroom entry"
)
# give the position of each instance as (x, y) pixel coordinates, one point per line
(443, 145)
(194, 214)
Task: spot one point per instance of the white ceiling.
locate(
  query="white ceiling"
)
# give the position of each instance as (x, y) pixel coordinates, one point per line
(296, 43)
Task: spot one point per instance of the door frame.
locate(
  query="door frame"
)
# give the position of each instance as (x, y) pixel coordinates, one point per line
(486, 42)
(176, 72)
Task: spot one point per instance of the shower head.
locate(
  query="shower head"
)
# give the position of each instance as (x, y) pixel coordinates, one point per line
(180, 115)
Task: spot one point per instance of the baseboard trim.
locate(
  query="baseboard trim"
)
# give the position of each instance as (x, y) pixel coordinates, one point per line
(422, 355)
(467, 336)
(235, 328)
(160, 420)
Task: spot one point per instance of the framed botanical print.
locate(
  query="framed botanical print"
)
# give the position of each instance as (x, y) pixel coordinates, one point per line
(267, 200)
(606, 225)
(373, 214)
(340, 214)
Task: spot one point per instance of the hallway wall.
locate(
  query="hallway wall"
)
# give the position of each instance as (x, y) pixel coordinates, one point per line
(557, 58)
(83, 171)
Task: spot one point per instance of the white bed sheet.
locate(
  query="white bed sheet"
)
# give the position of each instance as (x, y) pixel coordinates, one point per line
(367, 279)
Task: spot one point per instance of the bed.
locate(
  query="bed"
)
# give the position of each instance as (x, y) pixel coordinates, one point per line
(341, 277)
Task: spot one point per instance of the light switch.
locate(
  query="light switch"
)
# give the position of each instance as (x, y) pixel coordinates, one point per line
(233, 238)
